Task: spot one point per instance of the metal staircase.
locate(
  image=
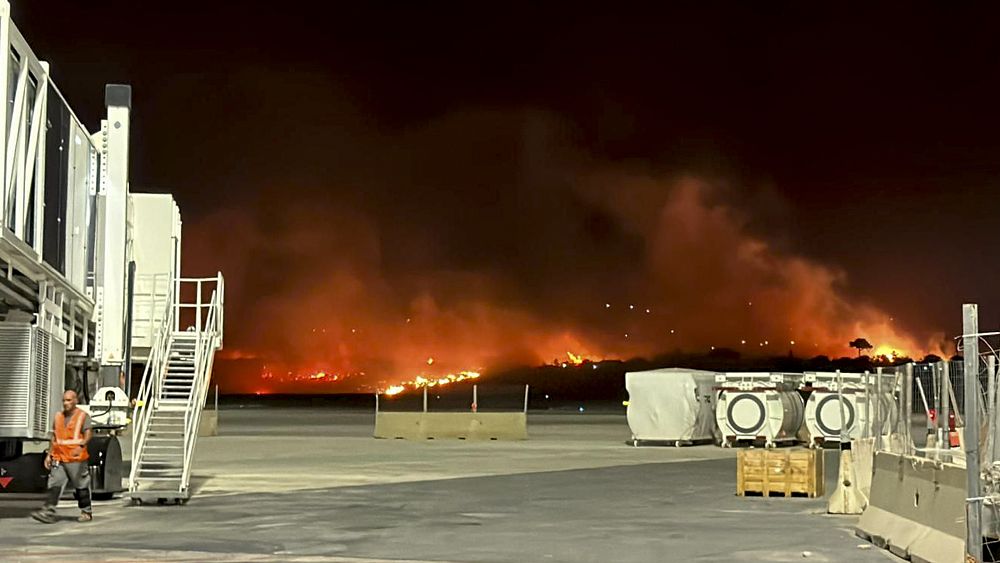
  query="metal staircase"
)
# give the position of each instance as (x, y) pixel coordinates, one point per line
(173, 392)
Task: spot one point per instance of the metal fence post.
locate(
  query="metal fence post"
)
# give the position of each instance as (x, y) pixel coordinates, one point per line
(945, 413)
(866, 429)
(908, 408)
(525, 399)
(425, 398)
(879, 425)
(970, 353)
(991, 411)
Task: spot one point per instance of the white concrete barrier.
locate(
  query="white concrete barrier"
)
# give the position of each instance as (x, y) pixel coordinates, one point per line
(916, 508)
(461, 425)
(209, 423)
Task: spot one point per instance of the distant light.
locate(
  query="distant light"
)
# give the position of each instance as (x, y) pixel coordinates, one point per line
(743, 341)
(792, 343)
(564, 364)
(631, 306)
(766, 343)
(671, 331)
(546, 397)
(713, 347)
(761, 344)
(626, 335)
(594, 366)
(430, 361)
(647, 311)
(353, 330)
(581, 409)
(749, 303)
(407, 320)
(607, 305)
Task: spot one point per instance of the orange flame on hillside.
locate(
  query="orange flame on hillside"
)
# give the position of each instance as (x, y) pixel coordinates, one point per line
(421, 381)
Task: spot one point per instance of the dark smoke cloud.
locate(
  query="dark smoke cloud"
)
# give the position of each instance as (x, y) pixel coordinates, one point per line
(485, 237)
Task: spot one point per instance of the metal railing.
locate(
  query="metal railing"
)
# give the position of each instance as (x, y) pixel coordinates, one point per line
(199, 308)
(208, 340)
(150, 388)
(207, 330)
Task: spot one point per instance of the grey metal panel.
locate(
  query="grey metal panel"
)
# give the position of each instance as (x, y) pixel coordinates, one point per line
(16, 385)
(42, 393)
(32, 374)
(56, 376)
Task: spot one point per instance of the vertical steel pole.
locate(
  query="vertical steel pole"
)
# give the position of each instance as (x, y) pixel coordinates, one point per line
(475, 398)
(376, 402)
(525, 399)
(216, 398)
(425, 398)
(866, 429)
(907, 413)
(840, 403)
(945, 411)
(970, 353)
(991, 385)
(879, 425)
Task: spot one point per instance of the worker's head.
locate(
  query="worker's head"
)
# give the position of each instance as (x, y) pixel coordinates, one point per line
(69, 401)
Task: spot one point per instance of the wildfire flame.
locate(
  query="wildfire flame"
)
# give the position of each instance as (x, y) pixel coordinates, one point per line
(575, 360)
(421, 381)
(888, 351)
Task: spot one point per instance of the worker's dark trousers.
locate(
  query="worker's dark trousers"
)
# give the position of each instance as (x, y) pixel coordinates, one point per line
(76, 473)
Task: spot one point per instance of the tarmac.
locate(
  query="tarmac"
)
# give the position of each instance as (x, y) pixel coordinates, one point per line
(309, 484)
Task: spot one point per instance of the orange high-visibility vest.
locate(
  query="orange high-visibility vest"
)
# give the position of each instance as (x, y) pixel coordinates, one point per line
(69, 437)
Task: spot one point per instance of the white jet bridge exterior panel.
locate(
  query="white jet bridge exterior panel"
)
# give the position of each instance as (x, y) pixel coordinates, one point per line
(672, 406)
(156, 243)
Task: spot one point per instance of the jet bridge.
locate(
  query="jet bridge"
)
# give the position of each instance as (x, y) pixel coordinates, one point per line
(72, 260)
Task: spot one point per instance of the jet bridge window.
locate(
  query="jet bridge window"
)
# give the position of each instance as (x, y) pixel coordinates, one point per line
(29, 211)
(57, 138)
(13, 69)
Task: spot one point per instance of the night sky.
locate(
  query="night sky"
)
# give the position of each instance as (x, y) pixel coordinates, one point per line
(383, 183)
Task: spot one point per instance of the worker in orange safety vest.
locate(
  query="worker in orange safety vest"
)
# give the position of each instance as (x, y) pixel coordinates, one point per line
(67, 461)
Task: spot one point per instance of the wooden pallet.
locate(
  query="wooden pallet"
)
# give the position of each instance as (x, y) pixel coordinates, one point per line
(784, 472)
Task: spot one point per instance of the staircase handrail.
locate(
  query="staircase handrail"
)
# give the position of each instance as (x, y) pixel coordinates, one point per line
(150, 387)
(208, 340)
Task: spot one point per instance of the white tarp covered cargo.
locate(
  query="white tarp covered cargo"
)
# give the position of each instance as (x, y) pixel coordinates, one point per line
(671, 405)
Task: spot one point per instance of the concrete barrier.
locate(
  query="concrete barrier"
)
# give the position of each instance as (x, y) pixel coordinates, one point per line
(863, 457)
(916, 508)
(209, 424)
(461, 425)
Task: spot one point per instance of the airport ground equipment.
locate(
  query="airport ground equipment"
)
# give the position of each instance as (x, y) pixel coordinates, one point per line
(88, 274)
(857, 397)
(672, 406)
(759, 408)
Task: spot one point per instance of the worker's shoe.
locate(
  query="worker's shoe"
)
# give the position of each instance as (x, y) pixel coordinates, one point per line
(45, 516)
(85, 517)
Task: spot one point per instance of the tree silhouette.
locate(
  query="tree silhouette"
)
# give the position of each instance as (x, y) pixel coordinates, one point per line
(860, 344)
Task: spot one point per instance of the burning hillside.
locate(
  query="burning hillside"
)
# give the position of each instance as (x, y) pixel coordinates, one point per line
(570, 265)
